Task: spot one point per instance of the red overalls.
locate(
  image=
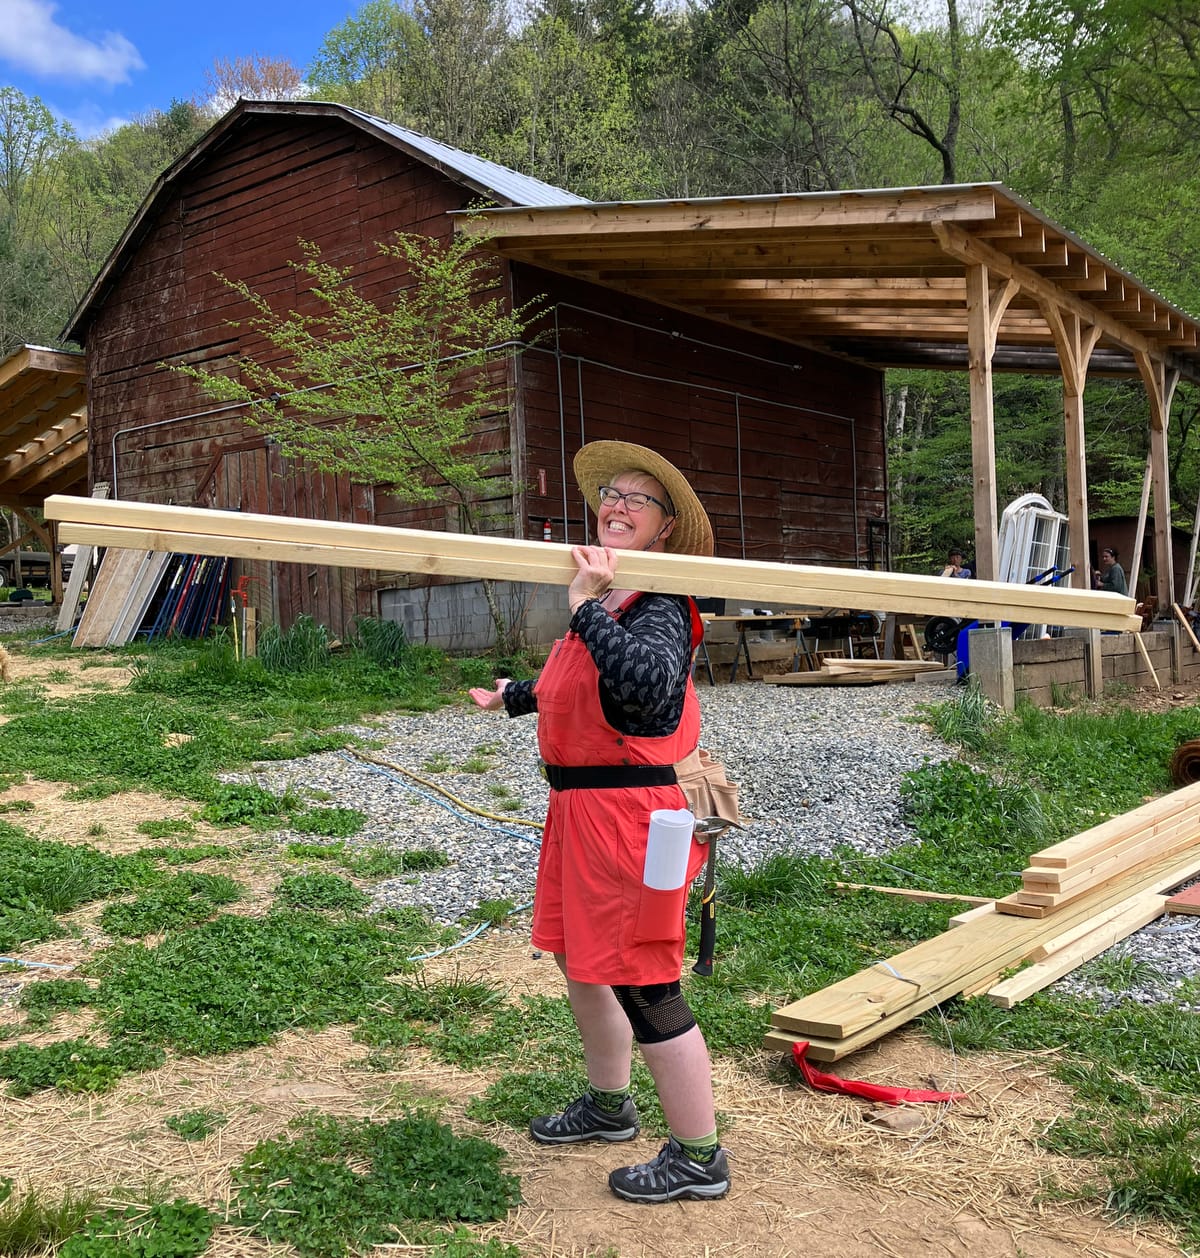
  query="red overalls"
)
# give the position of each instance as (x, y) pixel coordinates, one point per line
(590, 903)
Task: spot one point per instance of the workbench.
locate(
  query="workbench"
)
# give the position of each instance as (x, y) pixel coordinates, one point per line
(791, 624)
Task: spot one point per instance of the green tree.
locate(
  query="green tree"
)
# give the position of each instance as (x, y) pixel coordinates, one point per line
(392, 394)
(374, 61)
(566, 115)
(30, 140)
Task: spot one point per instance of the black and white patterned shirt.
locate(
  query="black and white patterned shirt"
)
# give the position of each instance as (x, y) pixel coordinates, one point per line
(644, 659)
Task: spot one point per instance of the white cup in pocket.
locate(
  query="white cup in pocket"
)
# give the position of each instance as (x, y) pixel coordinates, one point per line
(667, 847)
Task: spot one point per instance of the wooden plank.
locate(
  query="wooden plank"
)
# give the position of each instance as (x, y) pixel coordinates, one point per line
(1136, 849)
(855, 1010)
(242, 535)
(140, 595)
(1081, 930)
(80, 569)
(1141, 646)
(918, 896)
(1180, 615)
(981, 910)
(1098, 838)
(117, 569)
(822, 677)
(1135, 914)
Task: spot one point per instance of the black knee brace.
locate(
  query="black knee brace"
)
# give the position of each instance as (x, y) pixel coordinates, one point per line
(657, 1013)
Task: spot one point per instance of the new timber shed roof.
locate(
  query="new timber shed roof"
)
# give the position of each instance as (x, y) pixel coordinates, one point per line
(43, 426)
(878, 276)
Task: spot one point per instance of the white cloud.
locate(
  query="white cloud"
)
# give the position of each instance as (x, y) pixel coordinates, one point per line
(32, 40)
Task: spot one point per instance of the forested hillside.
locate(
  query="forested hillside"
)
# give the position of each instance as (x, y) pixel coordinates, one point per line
(1088, 108)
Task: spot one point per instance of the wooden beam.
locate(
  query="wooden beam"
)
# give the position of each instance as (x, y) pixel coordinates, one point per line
(959, 243)
(1135, 566)
(1139, 911)
(859, 1010)
(148, 526)
(747, 214)
(1074, 340)
(1160, 389)
(982, 323)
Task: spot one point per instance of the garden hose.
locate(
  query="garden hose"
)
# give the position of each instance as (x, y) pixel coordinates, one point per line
(441, 790)
(1185, 763)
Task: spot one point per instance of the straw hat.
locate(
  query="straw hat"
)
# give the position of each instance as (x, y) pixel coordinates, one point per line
(599, 462)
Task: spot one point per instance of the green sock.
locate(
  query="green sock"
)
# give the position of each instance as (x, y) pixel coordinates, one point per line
(702, 1148)
(609, 1100)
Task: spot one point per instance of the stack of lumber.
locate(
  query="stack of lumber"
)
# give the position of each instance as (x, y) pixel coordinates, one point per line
(1129, 864)
(1061, 874)
(839, 672)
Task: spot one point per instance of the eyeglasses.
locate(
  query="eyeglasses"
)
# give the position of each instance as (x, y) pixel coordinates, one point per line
(609, 497)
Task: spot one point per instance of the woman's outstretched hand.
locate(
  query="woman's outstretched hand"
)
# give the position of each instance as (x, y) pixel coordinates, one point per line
(490, 700)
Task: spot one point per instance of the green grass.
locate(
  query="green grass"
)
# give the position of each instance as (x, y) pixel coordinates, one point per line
(321, 891)
(40, 878)
(341, 1185)
(33, 1223)
(42, 1000)
(177, 1228)
(182, 901)
(231, 712)
(236, 982)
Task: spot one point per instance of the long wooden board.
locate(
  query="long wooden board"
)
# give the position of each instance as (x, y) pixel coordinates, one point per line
(853, 1012)
(1135, 913)
(1129, 852)
(106, 600)
(80, 571)
(148, 526)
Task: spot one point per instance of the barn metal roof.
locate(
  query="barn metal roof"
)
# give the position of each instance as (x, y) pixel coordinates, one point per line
(487, 177)
(491, 180)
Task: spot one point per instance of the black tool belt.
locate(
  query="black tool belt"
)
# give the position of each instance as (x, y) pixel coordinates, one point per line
(594, 777)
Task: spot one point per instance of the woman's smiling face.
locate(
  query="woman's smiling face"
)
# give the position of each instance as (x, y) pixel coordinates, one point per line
(623, 529)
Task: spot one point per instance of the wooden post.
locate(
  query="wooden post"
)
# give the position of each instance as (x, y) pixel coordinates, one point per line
(1093, 662)
(1181, 616)
(1189, 590)
(992, 664)
(1074, 341)
(1160, 389)
(1141, 646)
(985, 308)
(1135, 564)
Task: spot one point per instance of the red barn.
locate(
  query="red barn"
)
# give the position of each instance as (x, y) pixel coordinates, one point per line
(784, 444)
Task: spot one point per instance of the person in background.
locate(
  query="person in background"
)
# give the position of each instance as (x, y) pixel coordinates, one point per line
(616, 713)
(954, 566)
(1110, 575)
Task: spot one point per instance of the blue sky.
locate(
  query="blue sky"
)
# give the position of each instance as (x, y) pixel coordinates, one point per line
(99, 63)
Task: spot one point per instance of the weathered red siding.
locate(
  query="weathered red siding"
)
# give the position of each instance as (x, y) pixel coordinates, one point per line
(241, 212)
(784, 446)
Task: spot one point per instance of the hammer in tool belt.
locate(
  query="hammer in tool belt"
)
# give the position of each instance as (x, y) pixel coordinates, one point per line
(708, 830)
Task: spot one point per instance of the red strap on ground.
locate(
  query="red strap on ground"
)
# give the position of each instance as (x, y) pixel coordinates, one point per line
(822, 1081)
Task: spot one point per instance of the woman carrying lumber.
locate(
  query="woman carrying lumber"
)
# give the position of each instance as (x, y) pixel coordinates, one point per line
(616, 712)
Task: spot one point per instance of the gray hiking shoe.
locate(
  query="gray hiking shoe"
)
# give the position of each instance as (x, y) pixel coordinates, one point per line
(672, 1175)
(585, 1120)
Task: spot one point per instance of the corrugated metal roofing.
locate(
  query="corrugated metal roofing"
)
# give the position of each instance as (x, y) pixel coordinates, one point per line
(505, 184)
